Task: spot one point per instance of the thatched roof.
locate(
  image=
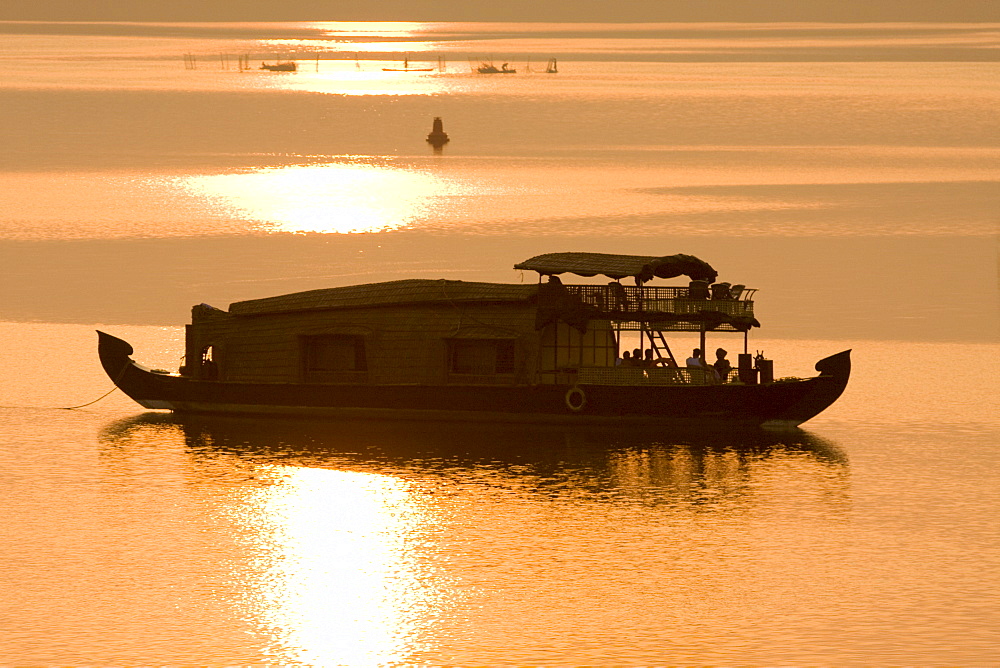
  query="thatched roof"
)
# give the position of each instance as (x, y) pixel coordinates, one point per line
(644, 267)
(391, 293)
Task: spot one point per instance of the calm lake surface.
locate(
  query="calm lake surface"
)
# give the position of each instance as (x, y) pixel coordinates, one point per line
(848, 173)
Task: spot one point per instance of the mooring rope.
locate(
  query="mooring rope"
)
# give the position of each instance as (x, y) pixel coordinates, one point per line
(73, 408)
(65, 408)
(119, 377)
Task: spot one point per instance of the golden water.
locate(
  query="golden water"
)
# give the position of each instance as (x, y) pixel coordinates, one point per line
(848, 173)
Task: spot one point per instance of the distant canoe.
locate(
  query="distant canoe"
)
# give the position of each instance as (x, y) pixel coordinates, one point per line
(489, 68)
(406, 68)
(287, 66)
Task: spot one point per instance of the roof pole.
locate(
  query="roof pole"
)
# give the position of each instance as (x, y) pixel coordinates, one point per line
(640, 306)
(702, 332)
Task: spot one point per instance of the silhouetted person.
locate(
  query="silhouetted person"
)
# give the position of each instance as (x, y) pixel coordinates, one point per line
(209, 370)
(722, 365)
(649, 362)
(625, 359)
(694, 362)
(619, 298)
(637, 357)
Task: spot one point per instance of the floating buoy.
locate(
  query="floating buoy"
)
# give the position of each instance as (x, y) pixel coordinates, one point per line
(438, 137)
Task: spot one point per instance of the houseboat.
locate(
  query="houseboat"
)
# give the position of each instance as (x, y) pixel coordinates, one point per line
(544, 351)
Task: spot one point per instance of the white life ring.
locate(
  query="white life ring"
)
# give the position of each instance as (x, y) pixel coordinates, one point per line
(576, 399)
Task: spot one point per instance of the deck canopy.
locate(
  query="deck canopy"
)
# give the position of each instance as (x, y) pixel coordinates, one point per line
(642, 267)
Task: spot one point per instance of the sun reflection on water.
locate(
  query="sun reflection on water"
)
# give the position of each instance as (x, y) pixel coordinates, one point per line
(334, 198)
(374, 29)
(339, 583)
(312, 46)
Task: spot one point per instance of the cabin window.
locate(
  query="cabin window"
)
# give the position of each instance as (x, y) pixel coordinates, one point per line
(331, 359)
(481, 357)
(565, 348)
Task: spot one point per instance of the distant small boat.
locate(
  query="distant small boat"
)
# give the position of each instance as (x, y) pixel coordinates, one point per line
(406, 67)
(285, 66)
(490, 68)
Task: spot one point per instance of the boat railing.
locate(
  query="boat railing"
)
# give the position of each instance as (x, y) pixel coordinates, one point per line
(634, 301)
(630, 376)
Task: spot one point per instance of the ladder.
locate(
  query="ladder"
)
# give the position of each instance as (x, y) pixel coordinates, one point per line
(663, 342)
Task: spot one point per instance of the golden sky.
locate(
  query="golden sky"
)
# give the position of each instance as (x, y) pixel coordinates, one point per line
(506, 10)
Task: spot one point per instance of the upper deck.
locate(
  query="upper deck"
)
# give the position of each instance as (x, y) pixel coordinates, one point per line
(703, 305)
(668, 309)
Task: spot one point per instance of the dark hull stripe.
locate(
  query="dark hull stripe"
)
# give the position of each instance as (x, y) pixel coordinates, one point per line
(787, 404)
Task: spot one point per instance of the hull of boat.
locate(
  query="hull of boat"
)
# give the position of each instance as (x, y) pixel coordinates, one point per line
(784, 404)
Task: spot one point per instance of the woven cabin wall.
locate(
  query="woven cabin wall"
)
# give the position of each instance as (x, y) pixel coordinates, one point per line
(403, 344)
(204, 332)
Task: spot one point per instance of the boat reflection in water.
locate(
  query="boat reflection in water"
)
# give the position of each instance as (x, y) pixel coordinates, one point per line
(367, 543)
(661, 462)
